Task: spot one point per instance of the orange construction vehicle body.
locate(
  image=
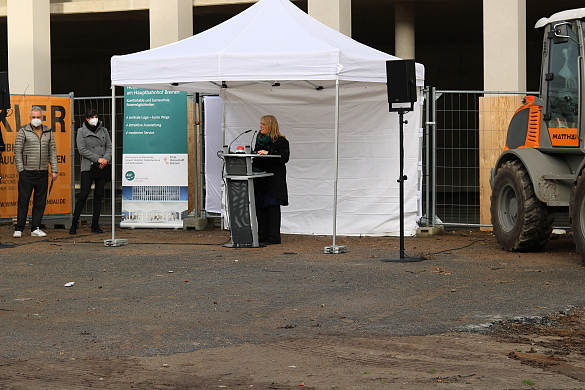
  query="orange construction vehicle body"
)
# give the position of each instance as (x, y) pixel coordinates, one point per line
(559, 136)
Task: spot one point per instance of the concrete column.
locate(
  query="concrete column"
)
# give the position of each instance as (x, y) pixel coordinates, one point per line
(170, 21)
(404, 31)
(29, 46)
(504, 45)
(333, 13)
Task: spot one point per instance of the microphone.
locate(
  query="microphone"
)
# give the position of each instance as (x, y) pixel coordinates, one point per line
(235, 139)
(252, 140)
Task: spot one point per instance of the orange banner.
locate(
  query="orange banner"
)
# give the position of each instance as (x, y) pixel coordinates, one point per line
(57, 115)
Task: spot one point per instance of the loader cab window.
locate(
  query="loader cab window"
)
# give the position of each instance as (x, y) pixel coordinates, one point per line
(561, 80)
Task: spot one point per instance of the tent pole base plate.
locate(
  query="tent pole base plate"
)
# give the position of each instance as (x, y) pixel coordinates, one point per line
(243, 245)
(116, 242)
(335, 249)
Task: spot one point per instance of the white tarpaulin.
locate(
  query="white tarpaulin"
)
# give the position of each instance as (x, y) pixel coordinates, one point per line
(368, 196)
(273, 40)
(212, 119)
(273, 43)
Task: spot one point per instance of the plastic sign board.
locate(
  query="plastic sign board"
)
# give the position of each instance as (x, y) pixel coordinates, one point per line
(155, 161)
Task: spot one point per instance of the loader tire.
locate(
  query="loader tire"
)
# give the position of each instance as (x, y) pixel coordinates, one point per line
(577, 214)
(521, 222)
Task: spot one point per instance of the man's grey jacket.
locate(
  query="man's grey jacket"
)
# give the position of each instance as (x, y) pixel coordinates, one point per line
(32, 153)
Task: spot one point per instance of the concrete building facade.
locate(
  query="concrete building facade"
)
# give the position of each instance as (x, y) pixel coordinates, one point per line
(61, 46)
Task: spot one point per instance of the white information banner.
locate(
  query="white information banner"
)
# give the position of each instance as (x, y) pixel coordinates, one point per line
(154, 169)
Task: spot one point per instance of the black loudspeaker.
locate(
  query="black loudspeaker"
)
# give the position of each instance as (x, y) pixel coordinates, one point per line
(401, 81)
(4, 92)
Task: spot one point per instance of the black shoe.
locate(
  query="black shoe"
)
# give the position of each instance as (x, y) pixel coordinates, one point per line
(96, 229)
(271, 241)
(73, 230)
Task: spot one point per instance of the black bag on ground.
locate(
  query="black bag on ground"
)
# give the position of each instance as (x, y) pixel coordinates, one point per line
(96, 172)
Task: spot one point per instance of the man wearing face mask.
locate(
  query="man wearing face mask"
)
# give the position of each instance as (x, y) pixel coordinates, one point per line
(95, 147)
(34, 149)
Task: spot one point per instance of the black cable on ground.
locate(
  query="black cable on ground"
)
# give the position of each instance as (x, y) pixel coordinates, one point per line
(456, 249)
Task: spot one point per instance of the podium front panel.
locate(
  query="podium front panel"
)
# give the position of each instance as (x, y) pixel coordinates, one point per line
(239, 208)
(236, 166)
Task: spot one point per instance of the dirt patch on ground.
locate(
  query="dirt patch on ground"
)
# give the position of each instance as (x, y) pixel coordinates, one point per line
(176, 310)
(557, 342)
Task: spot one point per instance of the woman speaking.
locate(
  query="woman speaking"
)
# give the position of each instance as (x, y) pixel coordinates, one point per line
(270, 192)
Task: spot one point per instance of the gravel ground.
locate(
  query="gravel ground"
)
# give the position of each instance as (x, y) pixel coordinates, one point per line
(177, 310)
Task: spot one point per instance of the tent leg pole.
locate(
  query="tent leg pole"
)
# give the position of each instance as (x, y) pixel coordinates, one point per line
(334, 248)
(113, 241)
(113, 189)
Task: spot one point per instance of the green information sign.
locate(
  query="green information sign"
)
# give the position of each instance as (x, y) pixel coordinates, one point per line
(155, 121)
(155, 166)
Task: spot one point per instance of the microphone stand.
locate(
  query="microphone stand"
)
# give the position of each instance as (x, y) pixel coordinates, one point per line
(235, 139)
(252, 143)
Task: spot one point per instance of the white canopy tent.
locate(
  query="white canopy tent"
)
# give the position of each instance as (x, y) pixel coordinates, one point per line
(323, 87)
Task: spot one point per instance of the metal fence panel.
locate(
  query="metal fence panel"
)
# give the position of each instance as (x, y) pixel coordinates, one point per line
(103, 105)
(456, 157)
(450, 157)
(451, 185)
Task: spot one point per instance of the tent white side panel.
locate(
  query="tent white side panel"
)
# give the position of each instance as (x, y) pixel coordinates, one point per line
(368, 193)
(213, 142)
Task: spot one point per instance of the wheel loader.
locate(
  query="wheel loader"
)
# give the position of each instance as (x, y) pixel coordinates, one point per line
(542, 168)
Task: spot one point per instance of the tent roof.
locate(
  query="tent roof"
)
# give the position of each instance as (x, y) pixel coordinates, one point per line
(273, 40)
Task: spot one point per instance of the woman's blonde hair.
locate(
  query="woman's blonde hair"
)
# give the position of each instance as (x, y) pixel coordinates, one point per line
(272, 127)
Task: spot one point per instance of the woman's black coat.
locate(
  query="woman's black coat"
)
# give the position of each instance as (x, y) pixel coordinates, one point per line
(273, 185)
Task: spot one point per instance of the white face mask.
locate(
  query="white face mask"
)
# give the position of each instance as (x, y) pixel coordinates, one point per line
(93, 121)
(36, 122)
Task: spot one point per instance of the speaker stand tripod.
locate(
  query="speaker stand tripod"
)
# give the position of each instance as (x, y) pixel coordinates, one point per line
(402, 258)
